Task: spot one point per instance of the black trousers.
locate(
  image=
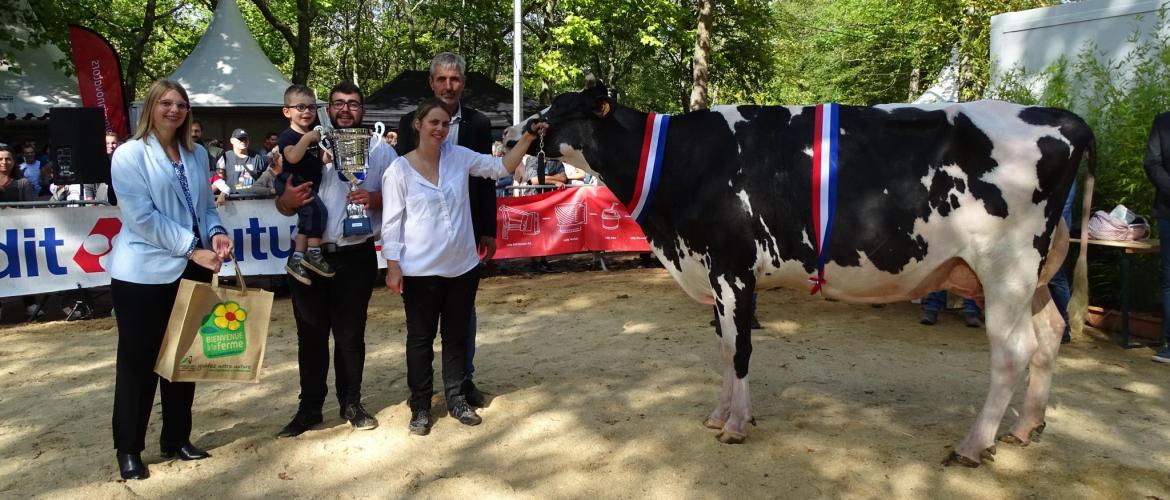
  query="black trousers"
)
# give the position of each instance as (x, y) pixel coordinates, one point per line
(142, 314)
(432, 302)
(336, 305)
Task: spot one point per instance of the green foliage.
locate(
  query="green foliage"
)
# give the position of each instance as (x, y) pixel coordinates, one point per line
(1119, 99)
(176, 31)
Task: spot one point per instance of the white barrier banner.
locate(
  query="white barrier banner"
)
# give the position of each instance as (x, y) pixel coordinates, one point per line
(51, 249)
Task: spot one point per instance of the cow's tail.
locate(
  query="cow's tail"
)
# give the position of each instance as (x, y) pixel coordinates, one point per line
(1078, 304)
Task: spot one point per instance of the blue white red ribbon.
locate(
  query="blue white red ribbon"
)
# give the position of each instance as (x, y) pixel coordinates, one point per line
(824, 185)
(649, 167)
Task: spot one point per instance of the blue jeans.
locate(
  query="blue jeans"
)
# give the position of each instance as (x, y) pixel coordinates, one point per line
(937, 301)
(1164, 239)
(1059, 289)
(1058, 286)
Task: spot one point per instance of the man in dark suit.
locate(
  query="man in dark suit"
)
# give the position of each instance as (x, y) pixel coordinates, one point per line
(472, 130)
(1157, 165)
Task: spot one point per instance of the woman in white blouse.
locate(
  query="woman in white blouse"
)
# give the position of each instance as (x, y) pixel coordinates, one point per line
(429, 247)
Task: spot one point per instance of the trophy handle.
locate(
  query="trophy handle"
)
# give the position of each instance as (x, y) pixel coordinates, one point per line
(325, 142)
(379, 129)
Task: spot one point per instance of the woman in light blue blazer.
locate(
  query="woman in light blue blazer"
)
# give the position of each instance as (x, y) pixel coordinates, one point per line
(170, 230)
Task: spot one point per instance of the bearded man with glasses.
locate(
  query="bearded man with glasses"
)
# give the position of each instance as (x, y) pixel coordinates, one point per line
(338, 304)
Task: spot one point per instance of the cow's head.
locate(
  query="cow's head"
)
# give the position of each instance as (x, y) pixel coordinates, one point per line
(574, 120)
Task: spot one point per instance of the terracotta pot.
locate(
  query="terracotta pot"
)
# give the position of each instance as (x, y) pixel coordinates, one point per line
(1142, 325)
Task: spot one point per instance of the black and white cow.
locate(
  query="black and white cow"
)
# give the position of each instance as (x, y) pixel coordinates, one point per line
(928, 197)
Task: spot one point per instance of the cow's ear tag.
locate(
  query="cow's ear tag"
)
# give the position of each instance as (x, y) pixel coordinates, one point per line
(603, 107)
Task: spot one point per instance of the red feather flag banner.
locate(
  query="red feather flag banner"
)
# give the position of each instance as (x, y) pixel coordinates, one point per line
(99, 77)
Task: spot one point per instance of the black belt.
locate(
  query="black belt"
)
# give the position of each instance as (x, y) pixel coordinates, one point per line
(331, 248)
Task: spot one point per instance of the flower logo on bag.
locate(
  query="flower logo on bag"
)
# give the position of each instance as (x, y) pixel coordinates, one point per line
(223, 331)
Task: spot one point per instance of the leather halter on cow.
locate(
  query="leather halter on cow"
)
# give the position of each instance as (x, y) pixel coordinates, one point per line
(958, 196)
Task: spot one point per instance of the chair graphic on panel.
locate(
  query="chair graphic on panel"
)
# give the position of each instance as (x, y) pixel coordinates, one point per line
(516, 220)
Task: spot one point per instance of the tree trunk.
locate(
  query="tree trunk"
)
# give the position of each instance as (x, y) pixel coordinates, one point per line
(357, 40)
(701, 73)
(134, 63)
(298, 42)
(915, 85)
(302, 59)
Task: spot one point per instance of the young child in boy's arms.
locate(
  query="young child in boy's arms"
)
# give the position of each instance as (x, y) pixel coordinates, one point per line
(303, 161)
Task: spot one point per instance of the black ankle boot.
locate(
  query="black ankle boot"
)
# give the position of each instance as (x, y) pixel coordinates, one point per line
(131, 466)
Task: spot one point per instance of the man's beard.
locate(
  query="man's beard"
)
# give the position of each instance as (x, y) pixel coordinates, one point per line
(354, 121)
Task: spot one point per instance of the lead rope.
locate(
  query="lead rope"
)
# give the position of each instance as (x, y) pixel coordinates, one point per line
(540, 160)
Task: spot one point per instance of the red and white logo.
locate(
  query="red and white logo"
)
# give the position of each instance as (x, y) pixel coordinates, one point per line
(97, 245)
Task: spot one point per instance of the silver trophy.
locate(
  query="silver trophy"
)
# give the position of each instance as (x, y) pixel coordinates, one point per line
(350, 148)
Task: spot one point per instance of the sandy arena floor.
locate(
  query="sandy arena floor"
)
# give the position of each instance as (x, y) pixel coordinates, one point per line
(599, 383)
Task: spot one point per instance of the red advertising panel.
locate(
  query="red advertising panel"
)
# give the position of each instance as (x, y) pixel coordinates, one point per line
(99, 77)
(573, 220)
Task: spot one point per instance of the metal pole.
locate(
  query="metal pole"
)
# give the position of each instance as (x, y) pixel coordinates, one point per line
(517, 60)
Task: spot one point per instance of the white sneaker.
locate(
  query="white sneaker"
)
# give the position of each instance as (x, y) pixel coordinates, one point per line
(1163, 356)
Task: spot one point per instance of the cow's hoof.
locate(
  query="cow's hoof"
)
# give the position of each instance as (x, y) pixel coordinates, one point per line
(1033, 436)
(954, 458)
(1010, 438)
(730, 437)
(712, 423)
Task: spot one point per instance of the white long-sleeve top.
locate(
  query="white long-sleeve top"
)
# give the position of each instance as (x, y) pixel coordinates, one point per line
(426, 228)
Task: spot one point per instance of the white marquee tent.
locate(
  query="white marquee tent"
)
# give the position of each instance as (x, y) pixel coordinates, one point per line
(1036, 38)
(230, 80)
(39, 85)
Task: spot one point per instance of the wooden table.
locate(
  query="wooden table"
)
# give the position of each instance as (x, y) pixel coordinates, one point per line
(1127, 248)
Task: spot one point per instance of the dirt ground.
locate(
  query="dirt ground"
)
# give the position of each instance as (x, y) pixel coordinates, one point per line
(598, 384)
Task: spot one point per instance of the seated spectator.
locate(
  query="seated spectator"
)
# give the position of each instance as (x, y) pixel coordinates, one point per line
(30, 167)
(241, 166)
(111, 143)
(213, 151)
(266, 184)
(219, 187)
(554, 174)
(13, 187)
(267, 147)
(937, 301)
(577, 176)
(102, 191)
(391, 138)
(47, 175)
(72, 192)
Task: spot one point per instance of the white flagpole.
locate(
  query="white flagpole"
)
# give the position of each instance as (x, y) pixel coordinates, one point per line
(517, 84)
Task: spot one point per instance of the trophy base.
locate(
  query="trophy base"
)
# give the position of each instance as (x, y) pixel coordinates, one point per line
(356, 226)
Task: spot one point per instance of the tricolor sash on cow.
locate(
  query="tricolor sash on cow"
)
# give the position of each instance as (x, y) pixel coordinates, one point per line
(649, 168)
(824, 185)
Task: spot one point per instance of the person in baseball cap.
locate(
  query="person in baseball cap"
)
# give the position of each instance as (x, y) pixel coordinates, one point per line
(241, 165)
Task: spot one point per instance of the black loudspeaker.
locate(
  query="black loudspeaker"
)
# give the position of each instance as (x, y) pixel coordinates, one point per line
(78, 139)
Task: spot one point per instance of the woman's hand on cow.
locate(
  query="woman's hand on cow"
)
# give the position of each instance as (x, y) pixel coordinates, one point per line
(394, 277)
(537, 128)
